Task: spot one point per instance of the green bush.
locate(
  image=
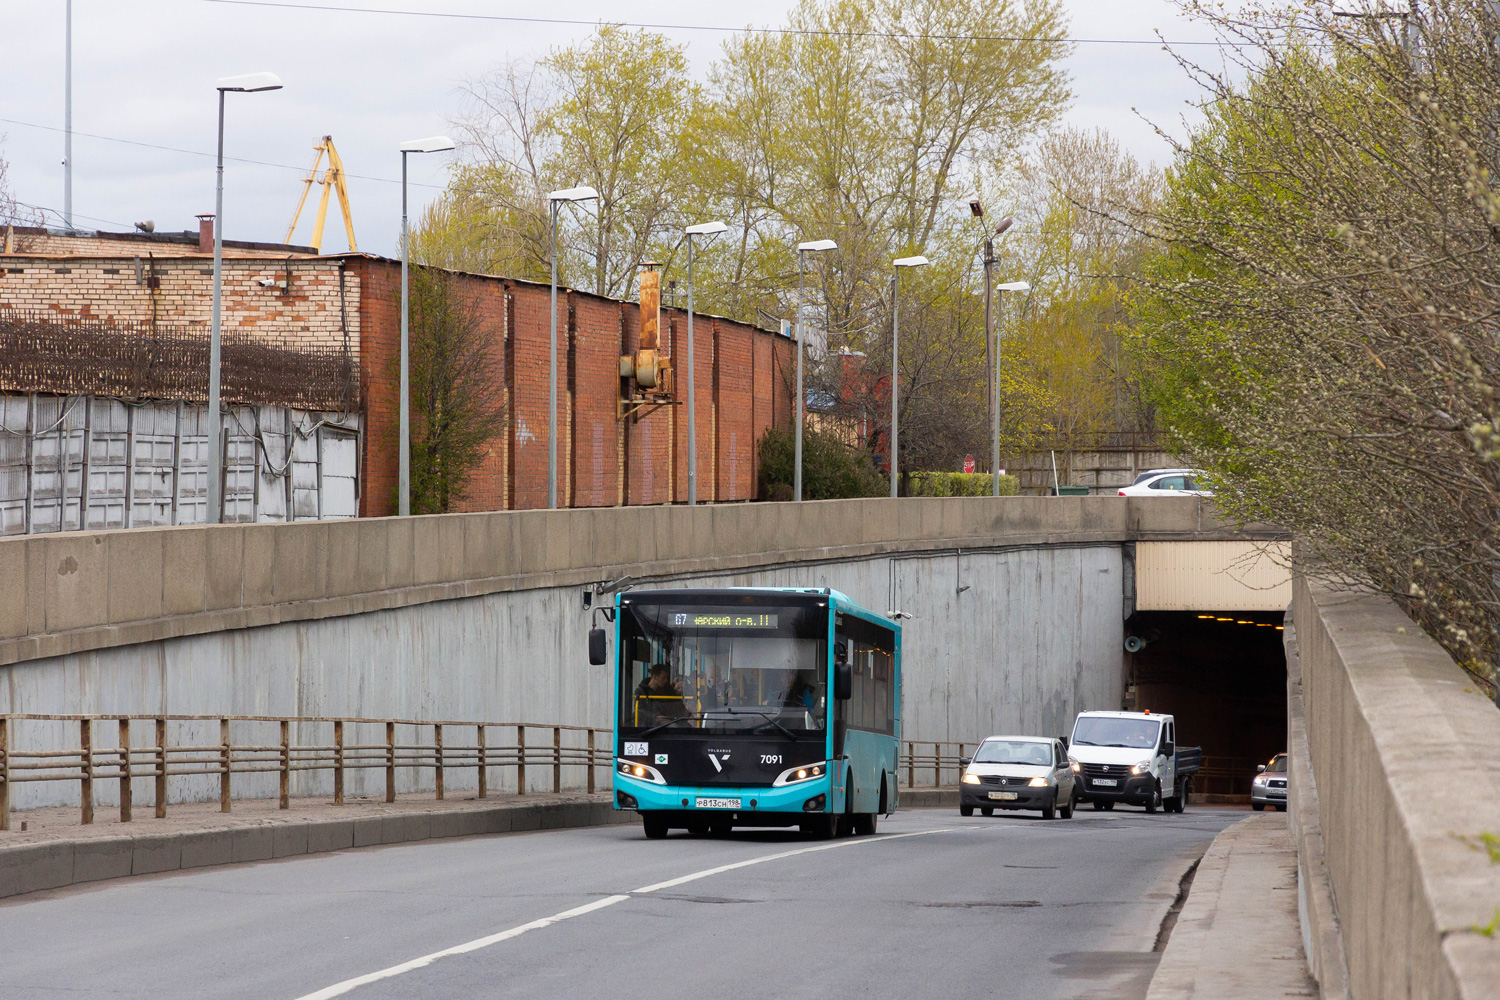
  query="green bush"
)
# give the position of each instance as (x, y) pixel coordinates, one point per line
(831, 470)
(957, 484)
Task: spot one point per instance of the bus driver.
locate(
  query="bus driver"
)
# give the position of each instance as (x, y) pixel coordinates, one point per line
(662, 699)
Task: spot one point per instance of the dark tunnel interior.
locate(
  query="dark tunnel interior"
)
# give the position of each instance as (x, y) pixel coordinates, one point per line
(1222, 674)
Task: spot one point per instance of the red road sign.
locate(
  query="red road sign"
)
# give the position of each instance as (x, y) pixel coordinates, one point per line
(968, 463)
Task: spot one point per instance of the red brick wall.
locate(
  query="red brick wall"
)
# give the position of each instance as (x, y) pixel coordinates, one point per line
(602, 460)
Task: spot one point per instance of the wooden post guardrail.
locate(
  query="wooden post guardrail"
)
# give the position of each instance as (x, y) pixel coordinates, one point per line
(179, 751)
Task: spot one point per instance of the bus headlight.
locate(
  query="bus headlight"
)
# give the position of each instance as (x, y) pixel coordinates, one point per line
(641, 772)
(971, 779)
(805, 772)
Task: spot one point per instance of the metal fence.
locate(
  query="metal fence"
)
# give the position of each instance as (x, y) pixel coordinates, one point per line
(108, 755)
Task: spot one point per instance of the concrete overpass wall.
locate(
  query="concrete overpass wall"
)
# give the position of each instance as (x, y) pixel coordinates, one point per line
(1017, 608)
(1395, 802)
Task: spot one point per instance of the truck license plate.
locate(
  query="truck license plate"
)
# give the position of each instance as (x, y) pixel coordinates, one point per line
(1106, 782)
(718, 803)
(1003, 796)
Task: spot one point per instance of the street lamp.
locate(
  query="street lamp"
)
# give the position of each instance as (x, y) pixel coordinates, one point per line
(249, 83)
(803, 249)
(433, 144)
(991, 345)
(1009, 286)
(702, 229)
(554, 200)
(899, 263)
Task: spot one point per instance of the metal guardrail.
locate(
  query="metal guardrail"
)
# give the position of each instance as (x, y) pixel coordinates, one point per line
(90, 762)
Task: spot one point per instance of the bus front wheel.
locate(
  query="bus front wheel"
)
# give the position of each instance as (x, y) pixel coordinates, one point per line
(655, 826)
(820, 827)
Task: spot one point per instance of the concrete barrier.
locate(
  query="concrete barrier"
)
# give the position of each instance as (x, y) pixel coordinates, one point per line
(77, 591)
(1405, 754)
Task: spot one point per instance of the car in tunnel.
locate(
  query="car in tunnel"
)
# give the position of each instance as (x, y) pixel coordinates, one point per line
(1269, 786)
(1018, 772)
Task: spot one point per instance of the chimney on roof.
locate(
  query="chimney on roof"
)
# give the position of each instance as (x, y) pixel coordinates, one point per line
(206, 233)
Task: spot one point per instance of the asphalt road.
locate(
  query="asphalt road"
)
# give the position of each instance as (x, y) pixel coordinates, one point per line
(932, 906)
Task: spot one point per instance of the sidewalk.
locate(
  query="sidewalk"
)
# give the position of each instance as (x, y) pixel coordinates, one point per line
(55, 850)
(1237, 937)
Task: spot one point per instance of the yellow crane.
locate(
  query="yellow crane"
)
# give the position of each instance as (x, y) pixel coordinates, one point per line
(333, 180)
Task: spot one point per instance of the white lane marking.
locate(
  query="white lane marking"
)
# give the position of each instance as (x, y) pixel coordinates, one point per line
(784, 854)
(338, 989)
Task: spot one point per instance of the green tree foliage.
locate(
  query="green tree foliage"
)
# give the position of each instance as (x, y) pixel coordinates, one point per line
(870, 122)
(830, 469)
(1320, 330)
(457, 391)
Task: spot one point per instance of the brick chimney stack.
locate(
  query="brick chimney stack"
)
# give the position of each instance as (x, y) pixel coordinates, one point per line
(206, 233)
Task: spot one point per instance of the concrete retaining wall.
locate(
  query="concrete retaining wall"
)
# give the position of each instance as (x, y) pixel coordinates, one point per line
(1406, 757)
(1017, 607)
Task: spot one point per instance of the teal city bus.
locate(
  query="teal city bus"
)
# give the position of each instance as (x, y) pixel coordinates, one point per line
(754, 707)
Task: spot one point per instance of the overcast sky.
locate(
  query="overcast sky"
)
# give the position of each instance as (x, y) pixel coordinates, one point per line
(144, 71)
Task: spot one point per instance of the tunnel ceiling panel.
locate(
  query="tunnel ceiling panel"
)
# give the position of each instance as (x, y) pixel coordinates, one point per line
(1205, 576)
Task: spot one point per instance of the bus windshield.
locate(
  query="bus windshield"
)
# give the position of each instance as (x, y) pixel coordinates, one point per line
(723, 669)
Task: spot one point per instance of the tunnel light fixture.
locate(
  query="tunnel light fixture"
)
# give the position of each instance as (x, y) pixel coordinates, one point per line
(1281, 628)
(1223, 619)
(1209, 617)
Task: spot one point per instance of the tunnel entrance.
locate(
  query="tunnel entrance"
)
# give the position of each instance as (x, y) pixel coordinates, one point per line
(1222, 674)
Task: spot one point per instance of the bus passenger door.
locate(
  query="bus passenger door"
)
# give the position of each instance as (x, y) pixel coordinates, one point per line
(843, 652)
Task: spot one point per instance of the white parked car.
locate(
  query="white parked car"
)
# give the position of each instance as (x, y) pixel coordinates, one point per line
(1169, 482)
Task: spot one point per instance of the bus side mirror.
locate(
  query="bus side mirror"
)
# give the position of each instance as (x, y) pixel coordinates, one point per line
(597, 648)
(843, 681)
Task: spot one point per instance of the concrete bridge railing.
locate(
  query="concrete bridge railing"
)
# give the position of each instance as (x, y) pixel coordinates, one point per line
(1395, 802)
(77, 591)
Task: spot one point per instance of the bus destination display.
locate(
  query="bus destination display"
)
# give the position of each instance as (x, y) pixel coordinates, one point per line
(723, 619)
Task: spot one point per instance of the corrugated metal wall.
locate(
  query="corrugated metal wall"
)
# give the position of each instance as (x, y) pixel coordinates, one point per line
(85, 463)
(1207, 576)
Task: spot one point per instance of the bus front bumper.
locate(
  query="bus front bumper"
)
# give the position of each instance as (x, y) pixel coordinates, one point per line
(802, 798)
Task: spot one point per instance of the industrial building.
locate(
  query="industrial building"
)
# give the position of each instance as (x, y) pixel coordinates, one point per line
(103, 383)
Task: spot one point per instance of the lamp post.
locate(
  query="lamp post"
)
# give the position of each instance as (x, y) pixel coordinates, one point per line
(899, 263)
(249, 83)
(1009, 286)
(555, 200)
(702, 229)
(803, 249)
(433, 144)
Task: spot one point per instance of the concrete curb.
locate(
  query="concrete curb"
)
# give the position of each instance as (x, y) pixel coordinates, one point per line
(26, 868)
(927, 798)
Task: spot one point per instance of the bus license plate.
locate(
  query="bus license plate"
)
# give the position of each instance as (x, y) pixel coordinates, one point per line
(718, 803)
(1003, 796)
(1102, 782)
